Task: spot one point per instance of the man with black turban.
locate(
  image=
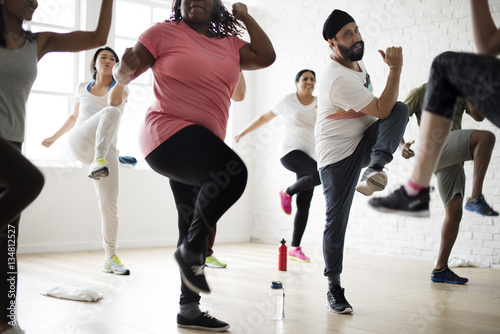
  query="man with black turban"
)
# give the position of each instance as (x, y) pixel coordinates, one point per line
(354, 129)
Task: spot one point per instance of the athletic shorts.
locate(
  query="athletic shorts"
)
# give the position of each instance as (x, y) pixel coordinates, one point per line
(450, 167)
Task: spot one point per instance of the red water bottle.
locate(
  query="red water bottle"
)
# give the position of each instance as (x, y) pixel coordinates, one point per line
(282, 256)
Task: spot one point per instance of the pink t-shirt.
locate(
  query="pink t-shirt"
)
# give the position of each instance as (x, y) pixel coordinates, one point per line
(194, 78)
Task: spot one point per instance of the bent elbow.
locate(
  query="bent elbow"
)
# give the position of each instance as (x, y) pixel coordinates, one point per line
(271, 58)
(267, 60)
(488, 49)
(100, 40)
(238, 97)
(383, 115)
(115, 102)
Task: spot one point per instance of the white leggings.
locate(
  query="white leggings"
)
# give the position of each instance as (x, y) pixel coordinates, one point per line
(97, 137)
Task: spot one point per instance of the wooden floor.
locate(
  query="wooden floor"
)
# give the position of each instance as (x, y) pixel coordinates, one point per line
(388, 295)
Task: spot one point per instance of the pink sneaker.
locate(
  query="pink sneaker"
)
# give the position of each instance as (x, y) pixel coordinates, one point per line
(286, 202)
(297, 255)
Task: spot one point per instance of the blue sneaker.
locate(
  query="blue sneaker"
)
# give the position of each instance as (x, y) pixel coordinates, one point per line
(480, 206)
(446, 275)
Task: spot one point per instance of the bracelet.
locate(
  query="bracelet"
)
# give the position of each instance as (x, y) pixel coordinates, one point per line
(395, 65)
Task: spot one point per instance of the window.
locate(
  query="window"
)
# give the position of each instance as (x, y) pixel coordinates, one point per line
(143, 15)
(51, 100)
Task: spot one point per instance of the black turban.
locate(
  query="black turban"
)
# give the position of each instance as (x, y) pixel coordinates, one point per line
(335, 22)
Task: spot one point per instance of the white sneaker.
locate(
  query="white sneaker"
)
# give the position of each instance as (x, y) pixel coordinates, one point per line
(113, 265)
(98, 169)
(372, 180)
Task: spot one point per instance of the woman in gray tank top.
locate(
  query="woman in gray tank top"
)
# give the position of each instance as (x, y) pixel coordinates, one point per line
(20, 180)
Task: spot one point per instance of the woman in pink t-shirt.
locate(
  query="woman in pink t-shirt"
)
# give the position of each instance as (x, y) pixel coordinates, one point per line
(195, 57)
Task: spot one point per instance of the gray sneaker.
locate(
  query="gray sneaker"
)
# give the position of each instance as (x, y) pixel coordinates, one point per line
(113, 265)
(372, 180)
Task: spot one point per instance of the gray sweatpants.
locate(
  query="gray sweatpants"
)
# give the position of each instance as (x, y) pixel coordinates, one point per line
(97, 137)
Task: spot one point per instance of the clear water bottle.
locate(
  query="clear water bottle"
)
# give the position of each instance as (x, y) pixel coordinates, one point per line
(277, 301)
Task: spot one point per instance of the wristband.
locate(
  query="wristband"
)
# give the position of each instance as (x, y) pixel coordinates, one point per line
(395, 65)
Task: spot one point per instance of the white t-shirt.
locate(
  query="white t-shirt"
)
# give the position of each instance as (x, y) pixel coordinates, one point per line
(91, 104)
(299, 124)
(342, 93)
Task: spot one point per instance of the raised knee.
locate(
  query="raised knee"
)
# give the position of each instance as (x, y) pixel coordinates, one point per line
(38, 180)
(113, 111)
(32, 182)
(443, 58)
(401, 111)
(485, 140)
(404, 110)
(243, 176)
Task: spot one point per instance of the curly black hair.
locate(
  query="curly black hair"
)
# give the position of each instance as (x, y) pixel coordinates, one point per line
(223, 23)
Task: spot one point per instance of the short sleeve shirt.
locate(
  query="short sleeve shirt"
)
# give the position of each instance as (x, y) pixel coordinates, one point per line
(299, 124)
(91, 104)
(415, 102)
(194, 78)
(342, 94)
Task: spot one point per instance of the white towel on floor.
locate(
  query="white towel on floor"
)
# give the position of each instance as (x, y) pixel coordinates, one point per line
(458, 262)
(74, 293)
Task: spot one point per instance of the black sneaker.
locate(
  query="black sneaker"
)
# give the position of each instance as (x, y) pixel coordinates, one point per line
(372, 180)
(400, 202)
(203, 322)
(336, 302)
(193, 275)
(446, 275)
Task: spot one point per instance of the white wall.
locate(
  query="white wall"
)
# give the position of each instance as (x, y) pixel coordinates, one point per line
(424, 29)
(65, 216)
(57, 221)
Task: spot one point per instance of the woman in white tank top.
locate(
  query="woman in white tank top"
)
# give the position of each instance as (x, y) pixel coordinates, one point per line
(95, 121)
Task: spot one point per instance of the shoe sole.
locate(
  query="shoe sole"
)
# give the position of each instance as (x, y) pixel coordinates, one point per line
(373, 183)
(126, 273)
(214, 266)
(208, 329)
(190, 285)
(290, 257)
(479, 213)
(415, 214)
(96, 174)
(346, 310)
(439, 280)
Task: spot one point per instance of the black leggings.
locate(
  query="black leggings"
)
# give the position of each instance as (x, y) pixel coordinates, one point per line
(206, 176)
(306, 169)
(20, 184)
(472, 76)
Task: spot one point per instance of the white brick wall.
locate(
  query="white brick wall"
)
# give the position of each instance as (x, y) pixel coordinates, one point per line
(424, 28)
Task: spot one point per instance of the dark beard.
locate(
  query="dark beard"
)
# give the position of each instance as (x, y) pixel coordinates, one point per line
(350, 54)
